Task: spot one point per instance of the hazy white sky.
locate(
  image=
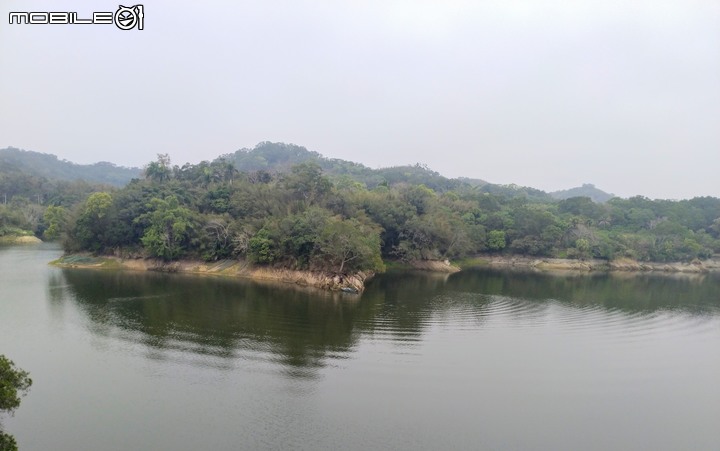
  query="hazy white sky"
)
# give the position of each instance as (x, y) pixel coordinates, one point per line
(548, 94)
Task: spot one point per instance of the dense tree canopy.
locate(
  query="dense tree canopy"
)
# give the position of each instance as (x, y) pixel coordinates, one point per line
(25, 196)
(305, 218)
(283, 205)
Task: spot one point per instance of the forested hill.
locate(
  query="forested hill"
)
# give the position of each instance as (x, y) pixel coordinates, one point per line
(307, 217)
(278, 158)
(274, 158)
(13, 160)
(587, 190)
(304, 219)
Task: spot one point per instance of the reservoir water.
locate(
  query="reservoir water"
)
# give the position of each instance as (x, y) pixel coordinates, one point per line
(476, 360)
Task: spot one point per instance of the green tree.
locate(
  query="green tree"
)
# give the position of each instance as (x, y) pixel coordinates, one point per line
(583, 247)
(419, 196)
(170, 228)
(390, 212)
(12, 221)
(217, 239)
(159, 170)
(419, 240)
(307, 183)
(7, 442)
(55, 219)
(350, 245)
(299, 235)
(89, 230)
(579, 206)
(262, 248)
(714, 228)
(14, 383)
(496, 240)
(97, 205)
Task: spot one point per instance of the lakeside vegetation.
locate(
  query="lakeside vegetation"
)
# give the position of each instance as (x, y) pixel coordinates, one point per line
(14, 384)
(37, 190)
(283, 206)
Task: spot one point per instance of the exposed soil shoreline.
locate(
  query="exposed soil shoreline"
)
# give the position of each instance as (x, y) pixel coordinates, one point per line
(355, 283)
(434, 266)
(621, 264)
(19, 239)
(233, 268)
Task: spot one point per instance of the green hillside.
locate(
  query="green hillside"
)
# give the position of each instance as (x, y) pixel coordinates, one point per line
(49, 166)
(306, 218)
(280, 157)
(284, 206)
(587, 190)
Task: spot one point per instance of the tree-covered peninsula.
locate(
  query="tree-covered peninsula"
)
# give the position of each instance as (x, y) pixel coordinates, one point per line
(304, 218)
(281, 206)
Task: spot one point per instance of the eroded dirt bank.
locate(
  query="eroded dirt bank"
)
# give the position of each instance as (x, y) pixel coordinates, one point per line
(434, 265)
(234, 268)
(621, 264)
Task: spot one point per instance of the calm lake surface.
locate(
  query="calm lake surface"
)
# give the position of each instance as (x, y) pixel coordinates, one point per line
(476, 360)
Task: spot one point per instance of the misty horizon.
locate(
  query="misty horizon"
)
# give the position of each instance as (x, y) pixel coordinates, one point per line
(179, 164)
(547, 94)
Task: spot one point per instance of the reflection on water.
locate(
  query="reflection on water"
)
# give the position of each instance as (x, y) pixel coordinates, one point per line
(627, 292)
(480, 359)
(213, 316)
(301, 329)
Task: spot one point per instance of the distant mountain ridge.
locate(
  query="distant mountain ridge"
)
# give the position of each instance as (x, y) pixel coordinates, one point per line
(50, 167)
(280, 157)
(587, 190)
